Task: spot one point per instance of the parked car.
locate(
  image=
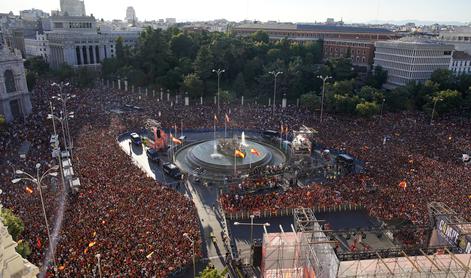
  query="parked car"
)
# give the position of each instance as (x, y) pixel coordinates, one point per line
(152, 155)
(136, 139)
(172, 170)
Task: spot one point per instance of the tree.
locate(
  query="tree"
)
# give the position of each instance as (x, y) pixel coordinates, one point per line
(3, 121)
(341, 69)
(204, 63)
(445, 79)
(85, 78)
(367, 109)
(23, 249)
(31, 79)
(261, 36)
(211, 272)
(14, 224)
(37, 65)
(65, 72)
(119, 49)
(182, 45)
(377, 77)
(225, 97)
(193, 85)
(447, 101)
(371, 94)
(398, 99)
(239, 85)
(310, 101)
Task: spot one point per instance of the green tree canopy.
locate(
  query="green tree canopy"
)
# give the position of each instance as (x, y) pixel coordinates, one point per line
(14, 224)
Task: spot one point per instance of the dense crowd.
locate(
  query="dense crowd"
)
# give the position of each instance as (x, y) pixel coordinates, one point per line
(137, 225)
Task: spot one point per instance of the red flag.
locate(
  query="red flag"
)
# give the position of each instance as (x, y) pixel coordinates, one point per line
(403, 185)
(175, 140)
(254, 152)
(38, 243)
(29, 190)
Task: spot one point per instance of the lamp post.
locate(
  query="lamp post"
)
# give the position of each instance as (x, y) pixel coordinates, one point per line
(324, 79)
(63, 98)
(98, 257)
(275, 75)
(62, 119)
(38, 182)
(251, 224)
(382, 106)
(193, 247)
(437, 99)
(219, 72)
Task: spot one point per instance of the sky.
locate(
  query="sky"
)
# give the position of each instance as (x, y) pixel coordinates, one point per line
(352, 11)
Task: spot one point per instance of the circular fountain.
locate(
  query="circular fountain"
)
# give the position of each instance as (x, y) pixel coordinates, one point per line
(217, 159)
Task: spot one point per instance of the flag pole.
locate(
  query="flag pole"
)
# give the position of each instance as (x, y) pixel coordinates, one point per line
(181, 129)
(235, 165)
(225, 128)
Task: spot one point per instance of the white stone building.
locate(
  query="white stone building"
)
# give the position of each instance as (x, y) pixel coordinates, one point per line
(131, 16)
(15, 100)
(76, 41)
(11, 263)
(38, 46)
(411, 59)
(461, 63)
(460, 38)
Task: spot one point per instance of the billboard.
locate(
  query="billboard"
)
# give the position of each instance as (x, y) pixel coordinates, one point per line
(457, 235)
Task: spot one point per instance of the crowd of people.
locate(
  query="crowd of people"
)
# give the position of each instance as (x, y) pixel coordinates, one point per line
(137, 225)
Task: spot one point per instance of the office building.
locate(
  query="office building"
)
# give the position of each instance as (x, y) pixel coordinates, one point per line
(38, 46)
(461, 63)
(411, 59)
(72, 7)
(356, 43)
(460, 38)
(14, 95)
(130, 16)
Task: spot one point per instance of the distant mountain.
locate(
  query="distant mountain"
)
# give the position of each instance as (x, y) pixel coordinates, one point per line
(417, 22)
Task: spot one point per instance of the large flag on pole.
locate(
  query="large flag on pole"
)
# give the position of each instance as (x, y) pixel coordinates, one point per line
(238, 153)
(254, 152)
(227, 119)
(215, 118)
(175, 140)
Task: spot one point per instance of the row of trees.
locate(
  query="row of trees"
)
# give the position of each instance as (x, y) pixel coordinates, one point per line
(444, 91)
(184, 62)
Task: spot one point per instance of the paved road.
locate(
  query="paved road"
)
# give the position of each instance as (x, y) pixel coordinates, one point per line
(203, 197)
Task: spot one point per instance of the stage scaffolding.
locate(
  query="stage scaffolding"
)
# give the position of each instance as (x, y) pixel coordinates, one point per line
(307, 251)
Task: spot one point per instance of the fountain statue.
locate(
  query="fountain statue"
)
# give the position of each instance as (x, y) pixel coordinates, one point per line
(242, 141)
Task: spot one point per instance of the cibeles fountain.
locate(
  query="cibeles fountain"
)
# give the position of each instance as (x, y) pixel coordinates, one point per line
(234, 157)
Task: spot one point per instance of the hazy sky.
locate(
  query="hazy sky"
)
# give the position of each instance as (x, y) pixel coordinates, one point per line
(283, 10)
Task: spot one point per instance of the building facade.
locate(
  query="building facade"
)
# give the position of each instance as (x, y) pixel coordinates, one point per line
(76, 41)
(130, 16)
(460, 38)
(15, 100)
(356, 43)
(38, 46)
(72, 7)
(411, 59)
(461, 63)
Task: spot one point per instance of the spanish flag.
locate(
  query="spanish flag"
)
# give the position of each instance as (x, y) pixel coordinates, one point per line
(175, 140)
(254, 152)
(150, 255)
(227, 119)
(29, 190)
(403, 185)
(238, 153)
(62, 267)
(91, 244)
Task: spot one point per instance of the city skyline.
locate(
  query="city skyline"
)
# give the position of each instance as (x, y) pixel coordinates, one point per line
(361, 11)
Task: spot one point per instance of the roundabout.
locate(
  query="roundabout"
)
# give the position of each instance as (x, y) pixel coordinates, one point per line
(222, 158)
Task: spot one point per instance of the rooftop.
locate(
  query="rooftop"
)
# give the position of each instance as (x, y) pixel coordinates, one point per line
(316, 28)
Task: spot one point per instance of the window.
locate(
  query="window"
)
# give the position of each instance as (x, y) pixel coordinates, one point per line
(9, 81)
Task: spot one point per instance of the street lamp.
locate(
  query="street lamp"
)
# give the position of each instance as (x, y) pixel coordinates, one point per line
(38, 181)
(219, 72)
(275, 74)
(62, 119)
(324, 79)
(437, 99)
(98, 257)
(63, 98)
(251, 224)
(382, 106)
(193, 247)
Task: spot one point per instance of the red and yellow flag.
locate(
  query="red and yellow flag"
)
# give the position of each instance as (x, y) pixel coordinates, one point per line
(29, 190)
(91, 244)
(239, 154)
(403, 185)
(254, 152)
(175, 140)
(227, 119)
